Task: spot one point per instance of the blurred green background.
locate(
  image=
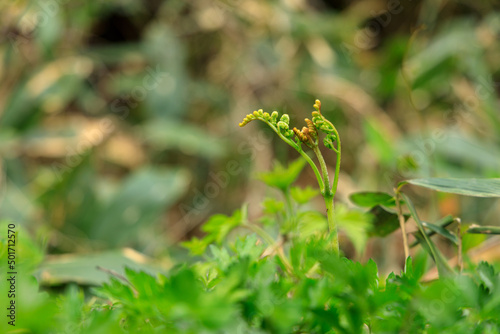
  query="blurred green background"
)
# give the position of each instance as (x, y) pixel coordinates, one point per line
(119, 119)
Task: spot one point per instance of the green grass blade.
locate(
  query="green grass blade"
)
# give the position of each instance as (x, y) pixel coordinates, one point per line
(442, 223)
(441, 231)
(475, 229)
(443, 267)
(468, 187)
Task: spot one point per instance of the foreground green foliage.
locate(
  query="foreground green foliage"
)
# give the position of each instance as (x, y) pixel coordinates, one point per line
(235, 289)
(239, 292)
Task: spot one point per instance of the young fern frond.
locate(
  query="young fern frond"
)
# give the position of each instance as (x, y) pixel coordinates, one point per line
(309, 135)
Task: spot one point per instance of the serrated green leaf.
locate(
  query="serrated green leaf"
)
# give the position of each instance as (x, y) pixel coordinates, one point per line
(281, 177)
(303, 195)
(415, 267)
(468, 187)
(218, 226)
(486, 275)
(207, 273)
(355, 224)
(221, 255)
(248, 246)
(197, 246)
(311, 223)
(273, 206)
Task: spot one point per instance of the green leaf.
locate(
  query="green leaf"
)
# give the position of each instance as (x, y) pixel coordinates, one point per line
(370, 199)
(281, 177)
(385, 221)
(468, 187)
(441, 231)
(207, 273)
(471, 240)
(221, 256)
(485, 273)
(220, 225)
(443, 267)
(303, 195)
(476, 229)
(422, 241)
(273, 206)
(197, 246)
(416, 267)
(355, 224)
(311, 223)
(442, 223)
(248, 246)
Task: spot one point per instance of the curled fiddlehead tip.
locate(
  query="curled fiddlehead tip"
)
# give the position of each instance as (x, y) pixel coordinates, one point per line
(304, 136)
(285, 118)
(258, 113)
(308, 135)
(329, 141)
(312, 129)
(284, 122)
(266, 116)
(317, 105)
(320, 122)
(274, 117)
(248, 118)
(283, 126)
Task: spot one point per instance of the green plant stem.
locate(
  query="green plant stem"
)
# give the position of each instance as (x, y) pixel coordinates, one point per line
(267, 238)
(402, 223)
(313, 166)
(460, 245)
(332, 225)
(337, 164)
(288, 201)
(328, 195)
(326, 189)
